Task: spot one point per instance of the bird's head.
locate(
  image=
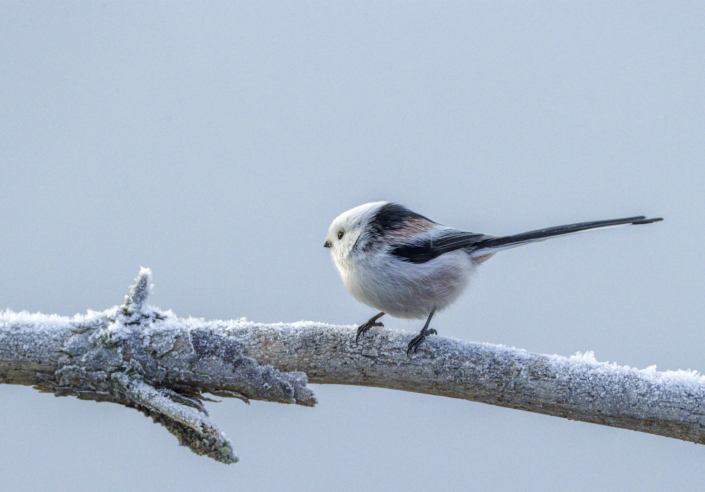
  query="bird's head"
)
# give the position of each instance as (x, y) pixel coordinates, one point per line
(350, 230)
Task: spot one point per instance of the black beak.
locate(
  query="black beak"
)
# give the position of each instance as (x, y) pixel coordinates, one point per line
(326, 244)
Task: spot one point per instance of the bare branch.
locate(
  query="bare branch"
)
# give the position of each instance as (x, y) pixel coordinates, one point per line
(141, 357)
(149, 359)
(192, 427)
(670, 403)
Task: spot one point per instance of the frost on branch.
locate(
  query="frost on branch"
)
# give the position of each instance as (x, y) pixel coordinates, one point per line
(137, 355)
(134, 300)
(144, 358)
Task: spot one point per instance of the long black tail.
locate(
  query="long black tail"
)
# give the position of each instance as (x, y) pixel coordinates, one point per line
(494, 244)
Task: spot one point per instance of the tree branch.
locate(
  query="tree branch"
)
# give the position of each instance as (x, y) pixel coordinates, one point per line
(145, 358)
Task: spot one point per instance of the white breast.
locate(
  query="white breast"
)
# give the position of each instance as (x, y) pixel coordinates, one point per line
(407, 290)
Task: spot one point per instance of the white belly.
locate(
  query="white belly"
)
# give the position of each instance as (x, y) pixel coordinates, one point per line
(408, 290)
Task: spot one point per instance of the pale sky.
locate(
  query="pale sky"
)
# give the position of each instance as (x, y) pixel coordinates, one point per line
(215, 142)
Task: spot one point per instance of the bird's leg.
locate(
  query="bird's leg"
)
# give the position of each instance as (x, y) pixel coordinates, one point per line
(362, 329)
(425, 331)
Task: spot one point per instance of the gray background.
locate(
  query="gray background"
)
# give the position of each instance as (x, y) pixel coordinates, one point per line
(214, 143)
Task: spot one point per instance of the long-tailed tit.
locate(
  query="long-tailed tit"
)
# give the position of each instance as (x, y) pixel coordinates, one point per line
(408, 266)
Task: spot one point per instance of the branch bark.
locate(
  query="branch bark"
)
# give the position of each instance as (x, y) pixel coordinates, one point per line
(162, 365)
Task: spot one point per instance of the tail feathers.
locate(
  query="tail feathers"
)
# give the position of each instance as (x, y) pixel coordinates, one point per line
(492, 245)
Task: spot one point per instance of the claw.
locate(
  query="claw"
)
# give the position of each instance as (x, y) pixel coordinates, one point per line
(425, 331)
(362, 329)
(416, 341)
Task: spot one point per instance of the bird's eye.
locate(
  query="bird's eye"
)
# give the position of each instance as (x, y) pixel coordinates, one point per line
(340, 234)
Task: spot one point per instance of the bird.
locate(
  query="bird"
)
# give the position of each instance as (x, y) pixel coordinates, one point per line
(408, 266)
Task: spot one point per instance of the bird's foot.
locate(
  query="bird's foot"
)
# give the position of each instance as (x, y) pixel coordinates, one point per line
(362, 329)
(416, 341)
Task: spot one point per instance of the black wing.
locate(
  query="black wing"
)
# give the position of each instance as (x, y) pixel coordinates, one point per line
(427, 249)
(479, 244)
